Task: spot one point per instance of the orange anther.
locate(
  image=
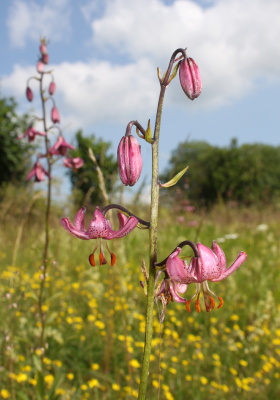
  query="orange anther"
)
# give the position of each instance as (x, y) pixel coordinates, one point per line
(221, 302)
(102, 259)
(113, 259)
(212, 302)
(91, 259)
(197, 306)
(188, 305)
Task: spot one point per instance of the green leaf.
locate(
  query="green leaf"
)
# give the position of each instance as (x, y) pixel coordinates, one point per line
(174, 180)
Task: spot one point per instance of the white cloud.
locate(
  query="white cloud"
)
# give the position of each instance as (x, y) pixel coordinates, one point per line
(29, 20)
(234, 42)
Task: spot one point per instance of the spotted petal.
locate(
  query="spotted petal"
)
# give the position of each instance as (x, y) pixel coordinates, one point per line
(178, 270)
(79, 220)
(234, 266)
(73, 230)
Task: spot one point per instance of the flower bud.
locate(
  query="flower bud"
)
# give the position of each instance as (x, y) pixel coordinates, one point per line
(29, 94)
(45, 58)
(40, 67)
(190, 78)
(129, 160)
(52, 88)
(43, 48)
(55, 115)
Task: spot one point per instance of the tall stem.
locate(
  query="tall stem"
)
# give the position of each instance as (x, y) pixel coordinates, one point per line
(47, 218)
(152, 252)
(153, 233)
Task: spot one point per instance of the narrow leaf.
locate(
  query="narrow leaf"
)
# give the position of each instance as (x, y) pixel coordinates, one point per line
(174, 180)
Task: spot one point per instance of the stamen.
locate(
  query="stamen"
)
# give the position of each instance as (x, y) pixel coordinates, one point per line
(197, 306)
(91, 260)
(188, 305)
(212, 302)
(102, 259)
(113, 259)
(221, 302)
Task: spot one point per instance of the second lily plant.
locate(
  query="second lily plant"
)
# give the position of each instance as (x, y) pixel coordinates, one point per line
(166, 280)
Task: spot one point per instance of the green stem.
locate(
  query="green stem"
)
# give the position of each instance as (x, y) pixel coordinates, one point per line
(47, 218)
(153, 231)
(152, 253)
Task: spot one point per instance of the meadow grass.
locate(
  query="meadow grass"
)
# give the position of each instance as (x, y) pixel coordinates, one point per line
(96, 316)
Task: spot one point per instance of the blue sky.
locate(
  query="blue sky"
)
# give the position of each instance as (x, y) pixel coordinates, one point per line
(104, 54)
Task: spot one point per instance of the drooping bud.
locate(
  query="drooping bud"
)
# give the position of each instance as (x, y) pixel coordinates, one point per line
(52, 88)
(45, 58)
(129, 160)
(43, 48)
(55, 116)
(190, 78)
(40, 67)
(29, 94)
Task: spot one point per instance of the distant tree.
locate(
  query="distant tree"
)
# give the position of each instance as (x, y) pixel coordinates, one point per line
(85, 183)
(246, 174)
(15, 154)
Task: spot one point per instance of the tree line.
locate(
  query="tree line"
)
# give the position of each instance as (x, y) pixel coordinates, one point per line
(243, 175)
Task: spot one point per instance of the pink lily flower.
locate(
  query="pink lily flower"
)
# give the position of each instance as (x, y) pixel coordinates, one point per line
(74, 163)
(209, 266)
(60, 147)
(31, 133)
(38, 171)
(99, 228)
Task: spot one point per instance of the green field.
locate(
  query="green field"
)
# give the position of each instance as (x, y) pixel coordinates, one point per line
(95, 316)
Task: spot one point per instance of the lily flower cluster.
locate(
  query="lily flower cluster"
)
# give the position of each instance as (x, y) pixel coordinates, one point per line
(60, 147)
(207, 265)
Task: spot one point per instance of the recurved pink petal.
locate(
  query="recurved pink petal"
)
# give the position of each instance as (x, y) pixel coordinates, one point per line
(208, 264)
(177, 269)
(220, 255)
(73, 230)
(130, 224)
(79, 221)
(234, 266)
(174, 289)
(122, 219)
(31, 174)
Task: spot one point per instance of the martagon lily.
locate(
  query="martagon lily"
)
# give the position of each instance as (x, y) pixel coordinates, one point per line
(31, 133)
(207, 265)
(99, 228)
(60, 147)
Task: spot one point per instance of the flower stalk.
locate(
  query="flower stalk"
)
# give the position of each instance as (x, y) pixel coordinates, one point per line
(153, 234)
